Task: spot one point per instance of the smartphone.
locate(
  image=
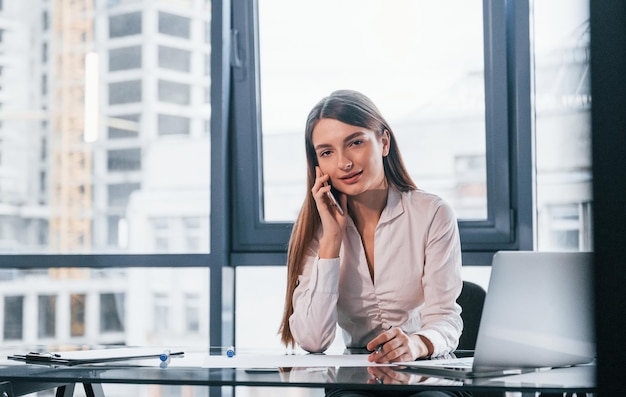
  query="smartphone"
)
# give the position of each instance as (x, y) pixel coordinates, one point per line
(334, 201)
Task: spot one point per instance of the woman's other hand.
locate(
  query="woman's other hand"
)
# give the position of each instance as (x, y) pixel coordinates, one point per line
(394, 345)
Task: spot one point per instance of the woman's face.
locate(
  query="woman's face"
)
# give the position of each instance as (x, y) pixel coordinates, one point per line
(351, 156)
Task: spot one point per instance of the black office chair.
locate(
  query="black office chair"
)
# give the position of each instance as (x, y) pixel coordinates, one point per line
(471, 300)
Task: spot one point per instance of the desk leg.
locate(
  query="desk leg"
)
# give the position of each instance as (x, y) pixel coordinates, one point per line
(93, 389)
(5, 389)
(65, 390)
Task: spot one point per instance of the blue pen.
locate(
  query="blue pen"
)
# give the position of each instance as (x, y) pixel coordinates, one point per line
(165, 356)
(230, 352)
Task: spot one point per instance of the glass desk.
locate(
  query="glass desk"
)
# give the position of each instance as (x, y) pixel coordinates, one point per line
(18, 378)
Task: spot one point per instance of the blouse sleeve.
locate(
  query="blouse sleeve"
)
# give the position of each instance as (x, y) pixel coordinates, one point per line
(442, 282)
(314, 319)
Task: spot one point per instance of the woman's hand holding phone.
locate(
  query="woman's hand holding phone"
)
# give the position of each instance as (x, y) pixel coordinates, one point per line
(333, 200)
(332, 214)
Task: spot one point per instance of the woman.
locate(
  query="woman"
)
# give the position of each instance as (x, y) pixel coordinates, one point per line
(386, 265)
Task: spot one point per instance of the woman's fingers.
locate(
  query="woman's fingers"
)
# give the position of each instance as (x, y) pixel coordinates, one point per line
(395, 346)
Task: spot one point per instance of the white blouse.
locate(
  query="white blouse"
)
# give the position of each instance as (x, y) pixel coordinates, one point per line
(417, 279)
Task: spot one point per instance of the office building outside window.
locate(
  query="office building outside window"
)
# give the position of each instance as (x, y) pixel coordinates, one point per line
(125, 164)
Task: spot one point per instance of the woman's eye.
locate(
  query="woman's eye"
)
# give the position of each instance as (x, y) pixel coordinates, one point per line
(324, 153)
(357, 142)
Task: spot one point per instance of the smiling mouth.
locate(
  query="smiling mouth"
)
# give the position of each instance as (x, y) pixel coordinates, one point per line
(351, 176)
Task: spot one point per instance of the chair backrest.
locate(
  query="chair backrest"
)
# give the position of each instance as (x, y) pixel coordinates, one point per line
(471, 300)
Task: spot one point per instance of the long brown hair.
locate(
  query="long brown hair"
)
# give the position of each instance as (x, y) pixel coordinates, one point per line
(354, 108)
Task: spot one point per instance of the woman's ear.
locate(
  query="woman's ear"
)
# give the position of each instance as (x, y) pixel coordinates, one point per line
(386, 141)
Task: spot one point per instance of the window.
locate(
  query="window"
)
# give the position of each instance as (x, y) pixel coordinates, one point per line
(192, 314)
(45, 20)
(445, 96)
(174, 25)
(161, 313)
(44, 84)
(44, 52)
(125, 92)
(173, 125)
(471, 91)
(125, 25)
(124, 160)
(174, 59)
(46, 324)
(563, 125)
(173, 92)
(101, 205)
(13, 324)
(433, 99)
(77, 314)
(123, 126)
(42, 182)
(112, 312)
(192, 233)
(125, 58)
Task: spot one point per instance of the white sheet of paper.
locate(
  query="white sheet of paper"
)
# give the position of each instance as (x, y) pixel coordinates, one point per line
(289, 361)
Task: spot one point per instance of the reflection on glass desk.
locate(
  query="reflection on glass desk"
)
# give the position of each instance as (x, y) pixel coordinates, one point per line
(192, 369)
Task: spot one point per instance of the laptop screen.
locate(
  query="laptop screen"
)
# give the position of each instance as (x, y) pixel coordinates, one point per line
(538, 311)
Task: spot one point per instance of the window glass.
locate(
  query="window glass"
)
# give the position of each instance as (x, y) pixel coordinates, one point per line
(174, 25)
(125, 24)
(13, 317)
(83, 169)
(77, 314)
(192, 314)
(44, 52)
(409, 57)
(123, 126)
(46, 320)
(174, 59)
(173, 92)
(124, 160)
(44, 84)
(173, 125)
(80, 120)
(161, 313)
(104, 306)
(125, 92)
(162, 234)
(112, 307)
(45, 20)
(125, 58)
(563, 125)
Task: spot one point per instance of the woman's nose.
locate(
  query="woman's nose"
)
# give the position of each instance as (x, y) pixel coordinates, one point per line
(344, 163)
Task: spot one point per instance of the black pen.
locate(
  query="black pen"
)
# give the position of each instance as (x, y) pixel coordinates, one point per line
(380, 347)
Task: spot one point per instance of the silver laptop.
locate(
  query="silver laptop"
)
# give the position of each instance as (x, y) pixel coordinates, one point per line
(538, 314)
